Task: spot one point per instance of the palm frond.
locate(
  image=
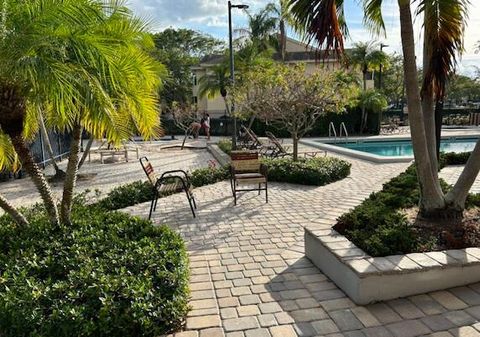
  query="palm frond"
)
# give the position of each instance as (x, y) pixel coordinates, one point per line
(322, 21)
(444, 23)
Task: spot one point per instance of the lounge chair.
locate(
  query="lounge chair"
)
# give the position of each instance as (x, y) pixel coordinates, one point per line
(252, 142)
(282, 151)
(246, 169)
(169, 182)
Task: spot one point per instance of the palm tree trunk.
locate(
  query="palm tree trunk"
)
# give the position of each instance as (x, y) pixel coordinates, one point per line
(37, 177)
(59, 174)
(432, 199)
(12, 211)
(438, 125)
(364, 112)
(86, 152)
(283, 40)
(458, 195)
(71, 176)
(428, 104)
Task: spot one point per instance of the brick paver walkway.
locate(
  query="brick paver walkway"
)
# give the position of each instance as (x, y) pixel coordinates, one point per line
(249, 276)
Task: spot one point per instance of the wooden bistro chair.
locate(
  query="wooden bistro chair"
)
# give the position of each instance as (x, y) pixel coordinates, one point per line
(246, 169)
(169, 182)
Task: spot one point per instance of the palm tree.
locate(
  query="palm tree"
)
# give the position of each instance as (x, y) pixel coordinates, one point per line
(366, 57)
(86, 63)
(216, 82)
(444, 22)
(261, 29)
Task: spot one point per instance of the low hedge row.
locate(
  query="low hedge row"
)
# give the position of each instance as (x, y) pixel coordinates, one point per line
(307, 171)
(107, 274)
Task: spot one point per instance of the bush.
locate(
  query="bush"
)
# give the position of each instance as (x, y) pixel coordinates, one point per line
(127, 195)
(209, 175)
(225, 145)
(307, 171)
(107, 274)
(452, 158)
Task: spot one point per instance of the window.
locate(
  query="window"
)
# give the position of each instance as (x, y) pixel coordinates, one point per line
(194, 79)
(195, 99)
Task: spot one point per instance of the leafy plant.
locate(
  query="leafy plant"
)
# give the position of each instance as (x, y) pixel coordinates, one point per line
(107, 274)
(307, 171)
(209, 175)
(225, 145)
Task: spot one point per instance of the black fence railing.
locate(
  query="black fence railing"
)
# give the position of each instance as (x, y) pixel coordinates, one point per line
(60, 146)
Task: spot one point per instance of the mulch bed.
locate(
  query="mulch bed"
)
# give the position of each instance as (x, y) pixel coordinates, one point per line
(443, 236)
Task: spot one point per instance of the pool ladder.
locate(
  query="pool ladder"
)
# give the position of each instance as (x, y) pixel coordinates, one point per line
(343, 132)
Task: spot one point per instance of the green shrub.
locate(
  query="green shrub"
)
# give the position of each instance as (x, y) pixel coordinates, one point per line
(209, 175)
(452, 158)
(127, 195)
(307, 171)
(107, 274)
(225, 145)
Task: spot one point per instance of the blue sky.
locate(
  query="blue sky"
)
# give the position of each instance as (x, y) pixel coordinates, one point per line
(210, 16)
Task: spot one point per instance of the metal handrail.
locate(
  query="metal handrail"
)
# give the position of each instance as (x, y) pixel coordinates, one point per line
(343, 128)
(331, 130)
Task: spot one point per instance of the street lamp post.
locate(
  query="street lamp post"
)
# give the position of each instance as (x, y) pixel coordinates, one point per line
(380, 87)
(232, 68)
(381, 67)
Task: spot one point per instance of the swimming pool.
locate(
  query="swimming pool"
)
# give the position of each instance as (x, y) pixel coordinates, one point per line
(403, 148)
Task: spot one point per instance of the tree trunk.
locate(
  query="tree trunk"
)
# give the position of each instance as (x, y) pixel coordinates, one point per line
(438, 126)
(12, 211)
(458, 195)
(428, 104)
(59, 174)
(37, 177)
(283, 40)
(86, 152)
(71, 176)
(364, 112)
(295, 146)
(432, 198)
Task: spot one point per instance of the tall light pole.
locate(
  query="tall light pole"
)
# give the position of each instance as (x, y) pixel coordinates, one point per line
(232, 68)
(381, 67)
(380, 87)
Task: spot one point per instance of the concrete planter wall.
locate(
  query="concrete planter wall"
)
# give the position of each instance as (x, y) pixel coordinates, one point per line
(367, 279)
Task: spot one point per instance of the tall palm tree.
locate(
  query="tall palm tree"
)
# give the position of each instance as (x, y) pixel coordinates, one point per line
(215, 82)
(85, 61)
(444, 22)
(261, 30)
(367, 57)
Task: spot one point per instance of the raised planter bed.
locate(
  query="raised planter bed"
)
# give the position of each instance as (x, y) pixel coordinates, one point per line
(367, 279)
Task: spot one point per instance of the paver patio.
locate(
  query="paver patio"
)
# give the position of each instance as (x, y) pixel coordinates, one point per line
(249, 276)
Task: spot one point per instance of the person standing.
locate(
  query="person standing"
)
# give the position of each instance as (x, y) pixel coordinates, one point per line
(206, 125)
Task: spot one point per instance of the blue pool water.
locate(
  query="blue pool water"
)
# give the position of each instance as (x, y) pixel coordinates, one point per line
(403, 148)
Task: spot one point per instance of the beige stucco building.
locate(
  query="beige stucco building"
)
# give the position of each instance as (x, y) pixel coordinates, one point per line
(297, 52)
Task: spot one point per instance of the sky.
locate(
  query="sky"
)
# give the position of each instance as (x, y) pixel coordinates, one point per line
(210, 16)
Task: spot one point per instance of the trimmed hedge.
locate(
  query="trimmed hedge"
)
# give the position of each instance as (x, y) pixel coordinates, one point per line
(307, 171)
(452, 158)
(107, 274)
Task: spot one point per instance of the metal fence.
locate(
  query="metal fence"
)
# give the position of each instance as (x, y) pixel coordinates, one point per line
(60, 147)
